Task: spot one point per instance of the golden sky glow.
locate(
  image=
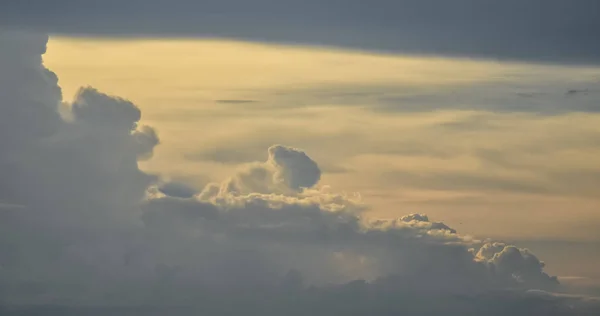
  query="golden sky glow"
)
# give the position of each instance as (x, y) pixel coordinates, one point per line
(210, 97)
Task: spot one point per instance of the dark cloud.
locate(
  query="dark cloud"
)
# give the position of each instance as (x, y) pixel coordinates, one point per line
(535, 30)
(572, 92)
(177, 189)
(76, 179)
(384, 297)
(92, 229)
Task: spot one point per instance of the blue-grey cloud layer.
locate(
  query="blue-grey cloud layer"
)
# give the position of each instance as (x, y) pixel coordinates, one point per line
(536, 30)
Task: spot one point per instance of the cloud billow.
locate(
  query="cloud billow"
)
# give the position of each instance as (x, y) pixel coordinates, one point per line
(93, 229)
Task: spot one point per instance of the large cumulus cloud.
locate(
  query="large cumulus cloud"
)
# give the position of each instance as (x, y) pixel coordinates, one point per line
(82, 224)
(75, 180)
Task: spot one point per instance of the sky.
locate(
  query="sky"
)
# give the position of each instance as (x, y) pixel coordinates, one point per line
(373, 158)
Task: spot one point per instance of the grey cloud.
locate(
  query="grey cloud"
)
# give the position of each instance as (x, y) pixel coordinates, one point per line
(428, 254)
(534, 30)
(295, 168)
(177, 189)
(76, 180)
(92, 229)
(145, 139)
(312, 221)
(286, 170)
(518, 263)
(30, 95)
(572, 92)
(95, 107)
(356, 298)
(580, 255)
(421, 218)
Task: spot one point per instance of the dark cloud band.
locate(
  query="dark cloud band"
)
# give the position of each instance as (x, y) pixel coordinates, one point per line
(541, 31)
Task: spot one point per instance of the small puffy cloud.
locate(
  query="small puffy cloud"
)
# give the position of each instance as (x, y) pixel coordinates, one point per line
(145, 139)
(287, 170)
(293, 167)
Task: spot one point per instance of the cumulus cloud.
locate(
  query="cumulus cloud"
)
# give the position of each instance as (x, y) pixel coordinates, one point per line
(92, 228)
(325, 236)
(97, 108)
(30, 94)
(518, 263)
(294, 168)
(75, 179)
(287, 170)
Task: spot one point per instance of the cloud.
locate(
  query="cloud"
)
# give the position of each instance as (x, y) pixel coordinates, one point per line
(294, 168)
(77, 180)
(286, 170)
(96, 108)
(94, 229)
(177, 189)
(520, 264)
(557, 31)
(572, 92)
(30, 95)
